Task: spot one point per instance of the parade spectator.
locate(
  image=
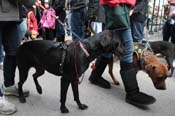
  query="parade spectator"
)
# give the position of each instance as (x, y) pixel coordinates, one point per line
(117, 19)
(10, 37)
(138, 16)
(59, 6)
(32, 24)
(78, 17)
(169, 26)
(48, 21)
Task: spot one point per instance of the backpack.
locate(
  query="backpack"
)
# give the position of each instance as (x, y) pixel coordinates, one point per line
(48, 19)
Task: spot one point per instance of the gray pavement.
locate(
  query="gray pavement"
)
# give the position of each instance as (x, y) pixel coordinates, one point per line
(101, 102)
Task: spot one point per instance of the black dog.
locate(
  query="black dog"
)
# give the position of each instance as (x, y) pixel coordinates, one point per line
(167, 49)
(48, 55)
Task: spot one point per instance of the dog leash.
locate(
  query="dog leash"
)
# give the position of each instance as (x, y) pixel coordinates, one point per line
(75, 65)
(57, 18)
(147, 45)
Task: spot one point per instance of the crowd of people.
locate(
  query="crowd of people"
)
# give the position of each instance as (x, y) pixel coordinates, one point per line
(29, 19)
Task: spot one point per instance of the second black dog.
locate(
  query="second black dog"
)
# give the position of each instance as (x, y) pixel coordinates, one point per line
(167, 49)
(47, 55)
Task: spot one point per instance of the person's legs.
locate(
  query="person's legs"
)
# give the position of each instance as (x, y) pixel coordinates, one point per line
(22, 28)
(166, 31)
(60, 32)
(128, 73)
(137, 31)
(172, 33)
(96, 74)
(78, 24)
(5, 106)
(11, 42)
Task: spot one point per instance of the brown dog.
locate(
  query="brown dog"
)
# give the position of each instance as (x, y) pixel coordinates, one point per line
(156, 70)
(149, 63)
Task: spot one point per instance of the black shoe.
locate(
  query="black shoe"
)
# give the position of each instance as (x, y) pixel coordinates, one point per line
(100, 82)
(140, 99)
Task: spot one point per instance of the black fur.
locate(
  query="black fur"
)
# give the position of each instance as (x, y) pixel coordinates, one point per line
(167, 49)
(46, 55)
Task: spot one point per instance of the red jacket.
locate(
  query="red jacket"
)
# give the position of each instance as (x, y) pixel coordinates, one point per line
(114, 3)
(32, 21)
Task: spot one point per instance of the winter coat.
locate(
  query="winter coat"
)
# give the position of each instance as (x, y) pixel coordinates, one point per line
(95, 9)
(77, 4)
(10, 9)
(140, 11)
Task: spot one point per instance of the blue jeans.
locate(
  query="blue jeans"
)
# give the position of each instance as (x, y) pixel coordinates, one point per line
(127, 41)
(9, 36)
(78, 23)
(22, 28)
(137, 31)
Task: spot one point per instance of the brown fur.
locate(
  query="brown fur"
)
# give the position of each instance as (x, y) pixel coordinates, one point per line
(156, 70)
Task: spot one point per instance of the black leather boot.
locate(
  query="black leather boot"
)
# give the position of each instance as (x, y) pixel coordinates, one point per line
(96, 74)
(133, 95)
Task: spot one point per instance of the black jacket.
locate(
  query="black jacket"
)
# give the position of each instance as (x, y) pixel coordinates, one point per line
(140, 11)
(11, 9)
(77, 4)
(95, 9)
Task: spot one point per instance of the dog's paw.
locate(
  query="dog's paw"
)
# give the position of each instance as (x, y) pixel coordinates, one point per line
(64, 109)
(83, 106)
(22, 100)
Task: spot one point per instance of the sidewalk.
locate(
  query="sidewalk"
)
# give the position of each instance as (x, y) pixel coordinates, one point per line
(101, 102)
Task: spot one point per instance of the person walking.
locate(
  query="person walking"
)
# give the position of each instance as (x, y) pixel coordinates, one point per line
(10, 20)
(138, 16)
(78, 18)
(118, 19)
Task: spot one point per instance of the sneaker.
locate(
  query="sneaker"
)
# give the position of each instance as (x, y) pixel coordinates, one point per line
(6, 107)
(13, 91)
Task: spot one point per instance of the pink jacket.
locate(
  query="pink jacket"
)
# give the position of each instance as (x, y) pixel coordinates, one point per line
(114, 3)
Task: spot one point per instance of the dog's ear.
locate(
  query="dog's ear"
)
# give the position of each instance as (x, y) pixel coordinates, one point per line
(150, 68)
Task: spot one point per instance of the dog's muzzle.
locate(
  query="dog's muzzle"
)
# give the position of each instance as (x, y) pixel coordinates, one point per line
(159, 83)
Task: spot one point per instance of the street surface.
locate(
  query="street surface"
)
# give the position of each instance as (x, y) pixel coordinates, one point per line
(101, 102)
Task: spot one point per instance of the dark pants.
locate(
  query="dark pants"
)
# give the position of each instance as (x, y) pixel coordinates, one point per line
(60, 32)
(49, 34)
(78, 23)
(9, 36)
(168, 31)
(137, 30)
